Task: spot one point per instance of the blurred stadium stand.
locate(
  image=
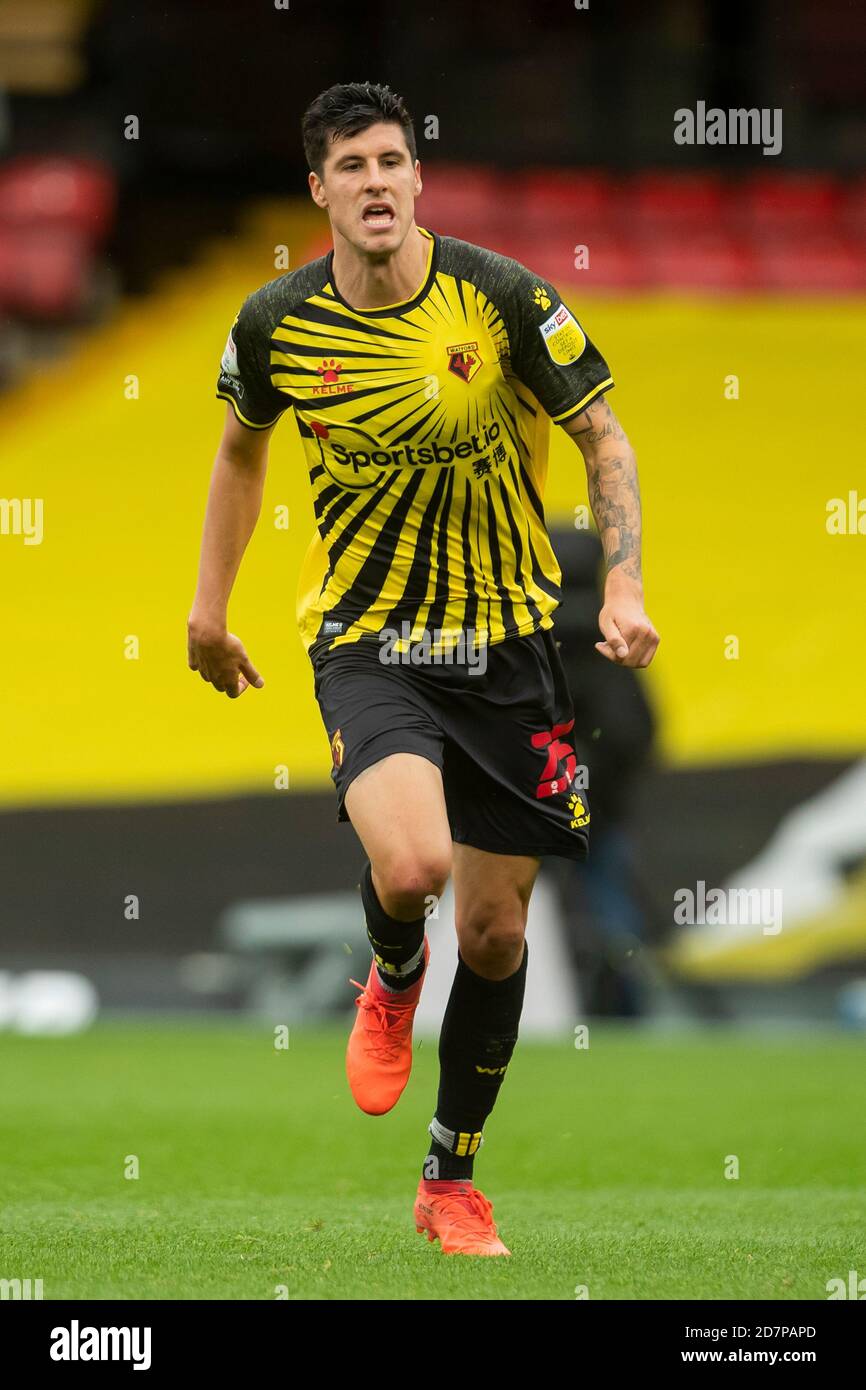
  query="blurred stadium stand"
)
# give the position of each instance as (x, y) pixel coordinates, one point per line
(296, 950)
(130, 256)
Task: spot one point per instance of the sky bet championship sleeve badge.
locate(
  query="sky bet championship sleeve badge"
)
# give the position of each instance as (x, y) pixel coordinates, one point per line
(563, 337)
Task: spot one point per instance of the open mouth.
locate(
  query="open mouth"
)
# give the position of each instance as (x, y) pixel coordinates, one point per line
(378, 215)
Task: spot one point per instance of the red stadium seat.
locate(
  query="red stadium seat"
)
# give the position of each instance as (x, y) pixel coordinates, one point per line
(561, 197)
(828, 264)
(689, 202)
(460, 200)
(59, 192)
(853, 212)
(44, 273)
(708, 262)
(562, 212)
(773, 204)
(613, 262)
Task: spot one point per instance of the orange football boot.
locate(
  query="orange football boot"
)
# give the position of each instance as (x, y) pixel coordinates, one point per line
(461, 1218)
(379, 1054)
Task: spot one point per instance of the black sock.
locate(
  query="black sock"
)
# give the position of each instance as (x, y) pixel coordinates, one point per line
(479, 1033)
(398, 947)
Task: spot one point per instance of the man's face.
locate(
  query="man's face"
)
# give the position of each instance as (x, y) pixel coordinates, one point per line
(369, 185)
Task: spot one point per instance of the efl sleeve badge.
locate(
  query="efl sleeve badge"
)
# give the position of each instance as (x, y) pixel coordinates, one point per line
(563, 337)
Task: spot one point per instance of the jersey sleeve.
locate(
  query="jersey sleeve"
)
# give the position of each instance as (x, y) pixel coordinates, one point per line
(244, 379)
(552, 354)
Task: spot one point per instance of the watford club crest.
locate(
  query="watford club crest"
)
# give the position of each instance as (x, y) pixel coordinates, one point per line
(464, 360)
(338, 748)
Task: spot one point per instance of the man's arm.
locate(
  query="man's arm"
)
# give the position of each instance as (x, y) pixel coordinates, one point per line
(614, 495)
(233, 506)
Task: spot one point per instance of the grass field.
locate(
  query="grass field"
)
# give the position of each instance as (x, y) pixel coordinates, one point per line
(606, 1168)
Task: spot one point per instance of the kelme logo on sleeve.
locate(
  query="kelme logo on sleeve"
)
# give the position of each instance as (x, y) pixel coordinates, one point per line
(563, 337)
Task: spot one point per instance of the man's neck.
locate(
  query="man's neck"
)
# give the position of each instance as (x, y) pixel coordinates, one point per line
(366, 283)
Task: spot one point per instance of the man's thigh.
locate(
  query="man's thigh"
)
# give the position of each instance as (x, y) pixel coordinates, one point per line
(387, 756)
(397, 809)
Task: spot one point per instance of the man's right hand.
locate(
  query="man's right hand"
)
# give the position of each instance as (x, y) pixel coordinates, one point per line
(221, 659)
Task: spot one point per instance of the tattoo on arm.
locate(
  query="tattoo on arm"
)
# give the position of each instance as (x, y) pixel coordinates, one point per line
(598, 422)
(614, 493)
(614, 496)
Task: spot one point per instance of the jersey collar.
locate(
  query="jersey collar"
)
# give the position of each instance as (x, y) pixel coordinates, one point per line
(404, 305)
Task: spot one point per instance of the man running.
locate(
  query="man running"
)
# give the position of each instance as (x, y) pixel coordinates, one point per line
(424, 372)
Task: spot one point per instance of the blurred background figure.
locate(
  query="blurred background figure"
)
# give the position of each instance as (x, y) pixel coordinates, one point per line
(606, 909)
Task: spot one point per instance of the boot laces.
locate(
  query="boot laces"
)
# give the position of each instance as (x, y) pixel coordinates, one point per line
(465, 1208)
(385, 1019)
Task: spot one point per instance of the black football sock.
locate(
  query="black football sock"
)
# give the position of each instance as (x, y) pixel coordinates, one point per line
(398, 947)
(479, 1034)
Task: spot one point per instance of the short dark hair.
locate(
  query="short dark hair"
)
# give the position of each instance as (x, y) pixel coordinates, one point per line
(346, 109)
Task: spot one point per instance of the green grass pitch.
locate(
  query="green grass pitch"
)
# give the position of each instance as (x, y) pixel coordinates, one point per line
(256, 1171)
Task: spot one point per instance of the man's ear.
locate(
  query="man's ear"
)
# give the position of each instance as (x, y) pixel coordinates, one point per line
(418, 184)
(317, 190)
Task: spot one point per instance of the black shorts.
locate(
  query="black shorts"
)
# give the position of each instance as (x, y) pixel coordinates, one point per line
(502, 738)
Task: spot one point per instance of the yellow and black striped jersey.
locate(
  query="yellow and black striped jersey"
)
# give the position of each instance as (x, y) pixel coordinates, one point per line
(426, 429)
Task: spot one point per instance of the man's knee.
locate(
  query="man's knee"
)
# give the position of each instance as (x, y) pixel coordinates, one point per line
(408, 882)
(491, 931)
